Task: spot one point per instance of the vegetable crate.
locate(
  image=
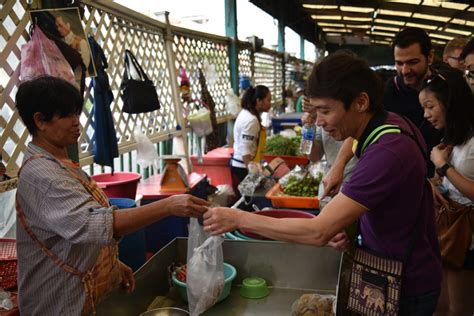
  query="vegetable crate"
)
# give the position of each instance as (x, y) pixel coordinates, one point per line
(8, 263)
(280, 199)
(291, 161)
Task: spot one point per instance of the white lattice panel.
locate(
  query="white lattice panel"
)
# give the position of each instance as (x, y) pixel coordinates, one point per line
(116, 29)
(191, 52)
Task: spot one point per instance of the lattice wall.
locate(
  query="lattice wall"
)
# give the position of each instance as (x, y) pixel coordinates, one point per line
(116, 28)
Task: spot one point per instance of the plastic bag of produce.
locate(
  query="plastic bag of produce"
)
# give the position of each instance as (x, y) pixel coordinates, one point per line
(314, 305)
(205, 269)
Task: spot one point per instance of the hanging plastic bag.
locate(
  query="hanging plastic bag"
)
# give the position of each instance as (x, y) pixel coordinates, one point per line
(201, 122)
(233, 102)
(146, 151)
(40, 56)
(205, 269)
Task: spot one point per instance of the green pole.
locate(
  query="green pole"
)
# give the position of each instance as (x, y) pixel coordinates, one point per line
(231, 32)
(301, 47)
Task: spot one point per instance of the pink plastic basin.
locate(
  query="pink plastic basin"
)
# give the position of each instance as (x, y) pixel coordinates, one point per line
(118, 185)
(276, 214)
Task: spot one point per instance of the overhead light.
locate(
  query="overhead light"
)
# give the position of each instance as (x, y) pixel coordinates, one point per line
(405, 1)
(431, 17)
(331, 24)
(452, 5)
(382, 33)
(333, 34)
(351, 18)
(319, 6)
(325, 17)
(438, 42)
(386, 28)
(462, 22)
(325, 29)
(422, 26)
(366, 26)
(381, 42)
(389, 22)
(395, 13)
(465, 33)
(355, 9)
(441, 36)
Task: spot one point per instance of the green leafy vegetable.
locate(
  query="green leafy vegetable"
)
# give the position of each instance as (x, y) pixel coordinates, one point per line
(308, 186)
(279, 145)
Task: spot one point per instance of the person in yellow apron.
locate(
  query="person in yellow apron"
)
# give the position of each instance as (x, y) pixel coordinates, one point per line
(67, 231)
(249, 134)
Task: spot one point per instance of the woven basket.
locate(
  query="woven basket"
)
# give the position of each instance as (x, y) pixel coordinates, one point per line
(8, 263)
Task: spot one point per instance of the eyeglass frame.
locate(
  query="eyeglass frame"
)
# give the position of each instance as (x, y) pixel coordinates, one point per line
(469, 74)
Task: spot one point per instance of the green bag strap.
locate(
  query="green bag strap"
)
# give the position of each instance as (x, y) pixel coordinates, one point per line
(378, 132)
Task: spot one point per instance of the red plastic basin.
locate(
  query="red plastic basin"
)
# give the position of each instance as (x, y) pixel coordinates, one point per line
(276, 214)
(118, 185)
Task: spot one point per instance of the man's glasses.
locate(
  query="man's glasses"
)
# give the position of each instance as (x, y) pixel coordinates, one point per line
(454, 58)
(469, 74)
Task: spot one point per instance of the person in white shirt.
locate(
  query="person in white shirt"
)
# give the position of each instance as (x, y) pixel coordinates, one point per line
(249, 135)
(448, 105)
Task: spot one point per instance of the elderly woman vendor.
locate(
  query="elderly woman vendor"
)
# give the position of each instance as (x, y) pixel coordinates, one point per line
(67, 232)
(388, 191)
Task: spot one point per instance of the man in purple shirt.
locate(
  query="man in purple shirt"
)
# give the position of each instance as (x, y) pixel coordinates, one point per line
(388, 190)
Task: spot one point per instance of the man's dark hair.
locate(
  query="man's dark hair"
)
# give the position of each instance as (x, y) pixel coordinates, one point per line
(343, 76)
(410, 36)
(468, 49)
(450, 87)
(48, 96)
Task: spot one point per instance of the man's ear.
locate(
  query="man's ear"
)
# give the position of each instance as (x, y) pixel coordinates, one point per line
(430, 57)
(362, 102)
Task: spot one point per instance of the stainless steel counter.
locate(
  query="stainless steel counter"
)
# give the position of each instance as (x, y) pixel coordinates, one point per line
(290, 271)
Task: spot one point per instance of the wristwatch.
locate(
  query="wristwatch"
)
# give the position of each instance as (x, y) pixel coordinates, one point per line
(443, 169)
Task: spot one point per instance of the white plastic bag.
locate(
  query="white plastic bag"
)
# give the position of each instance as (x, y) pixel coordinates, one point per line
(146, 152)
(204, 270)
(201, 122)
(233, 102)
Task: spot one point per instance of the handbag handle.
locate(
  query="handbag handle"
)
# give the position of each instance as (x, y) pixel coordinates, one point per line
(136, 64)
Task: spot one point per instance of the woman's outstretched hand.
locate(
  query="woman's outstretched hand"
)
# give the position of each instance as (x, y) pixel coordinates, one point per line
(186, 205)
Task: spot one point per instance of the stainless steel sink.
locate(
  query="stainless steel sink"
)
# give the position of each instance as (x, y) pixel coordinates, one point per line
(290, 271)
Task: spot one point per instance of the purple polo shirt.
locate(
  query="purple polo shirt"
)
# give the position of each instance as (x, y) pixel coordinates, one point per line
(389, 179)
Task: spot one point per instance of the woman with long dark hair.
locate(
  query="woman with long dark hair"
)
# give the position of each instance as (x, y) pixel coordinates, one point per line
(249, 135)
(448, 105)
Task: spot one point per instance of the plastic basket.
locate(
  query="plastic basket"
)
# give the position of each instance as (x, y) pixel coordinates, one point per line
(279, 199)
(8, 263)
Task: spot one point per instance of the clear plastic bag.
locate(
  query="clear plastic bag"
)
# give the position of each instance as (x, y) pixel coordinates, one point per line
(314, 305)
(146, 151)
(205, 269)
(201, 122)
(233, 102)
(40, 56)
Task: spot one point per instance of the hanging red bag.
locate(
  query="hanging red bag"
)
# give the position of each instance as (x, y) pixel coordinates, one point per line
(40, 56)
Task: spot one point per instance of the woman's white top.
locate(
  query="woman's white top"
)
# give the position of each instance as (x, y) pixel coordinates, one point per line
(462, 159)
(246, 133)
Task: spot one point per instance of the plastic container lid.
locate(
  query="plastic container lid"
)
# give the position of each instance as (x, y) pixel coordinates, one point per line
(254, 288)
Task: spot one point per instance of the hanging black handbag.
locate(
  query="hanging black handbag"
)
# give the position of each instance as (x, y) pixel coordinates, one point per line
(139, 96)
